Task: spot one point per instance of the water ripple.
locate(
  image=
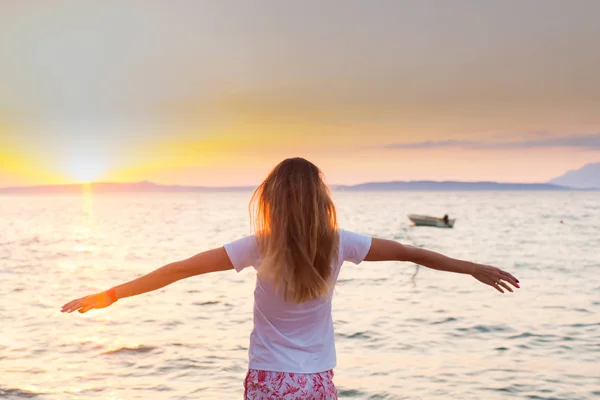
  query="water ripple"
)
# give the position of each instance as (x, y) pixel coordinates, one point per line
(6, 393)
(131, 350)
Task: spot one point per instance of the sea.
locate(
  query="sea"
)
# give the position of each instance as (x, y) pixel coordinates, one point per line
(402, 331)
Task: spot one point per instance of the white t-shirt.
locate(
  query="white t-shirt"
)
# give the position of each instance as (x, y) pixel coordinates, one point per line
(292, 337)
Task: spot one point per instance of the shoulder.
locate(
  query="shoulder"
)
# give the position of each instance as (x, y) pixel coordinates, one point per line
(354, 246)
(243, 252)
(350, 237)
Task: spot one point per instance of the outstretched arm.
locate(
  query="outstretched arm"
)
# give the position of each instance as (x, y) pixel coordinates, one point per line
(389, 250)
(208, 261)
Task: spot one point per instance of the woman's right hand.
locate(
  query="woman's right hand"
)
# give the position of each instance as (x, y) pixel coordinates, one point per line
(495, 277)
(84, 304)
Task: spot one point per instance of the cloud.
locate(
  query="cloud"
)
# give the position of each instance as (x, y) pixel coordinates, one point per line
(578, 141)
(430, 144)
(587, 142)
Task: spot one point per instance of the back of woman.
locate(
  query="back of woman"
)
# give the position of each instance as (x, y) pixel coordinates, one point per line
(297, 251)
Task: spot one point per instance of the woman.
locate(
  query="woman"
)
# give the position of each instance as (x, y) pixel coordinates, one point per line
(297, 250)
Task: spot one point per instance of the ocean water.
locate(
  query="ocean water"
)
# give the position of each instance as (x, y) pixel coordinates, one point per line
(435, 335)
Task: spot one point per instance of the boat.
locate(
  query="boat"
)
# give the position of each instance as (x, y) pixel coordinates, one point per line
(425, 220)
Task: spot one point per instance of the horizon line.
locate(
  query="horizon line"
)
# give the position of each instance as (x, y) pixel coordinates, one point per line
(256, 185)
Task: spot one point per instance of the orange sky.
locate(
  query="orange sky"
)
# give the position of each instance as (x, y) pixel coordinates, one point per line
(216, 95)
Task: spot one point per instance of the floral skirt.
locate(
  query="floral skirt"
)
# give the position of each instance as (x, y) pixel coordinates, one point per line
(270, 385)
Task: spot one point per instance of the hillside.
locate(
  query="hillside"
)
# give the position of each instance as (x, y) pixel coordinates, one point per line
(586, 177)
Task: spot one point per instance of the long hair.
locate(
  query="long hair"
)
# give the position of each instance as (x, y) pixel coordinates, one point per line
(295, 223)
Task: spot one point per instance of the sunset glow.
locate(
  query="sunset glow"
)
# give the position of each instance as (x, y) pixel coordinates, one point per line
(99, 92)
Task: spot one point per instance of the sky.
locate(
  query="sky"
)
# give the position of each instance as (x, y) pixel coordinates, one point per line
(217, 92)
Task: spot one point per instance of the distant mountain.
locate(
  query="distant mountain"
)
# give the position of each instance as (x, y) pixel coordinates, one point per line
(448, 186)
(149, 187)
(586, 177)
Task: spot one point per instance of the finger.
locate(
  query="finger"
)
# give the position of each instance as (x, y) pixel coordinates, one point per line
(75, 303)
(495, 286)
(85, 309)
(68, 305)
(513, 282)
(510, 278)
(76, 306)
(71, 306)
(504, 285)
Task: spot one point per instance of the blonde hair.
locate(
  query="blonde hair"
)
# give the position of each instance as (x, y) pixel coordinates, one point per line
(295, 223)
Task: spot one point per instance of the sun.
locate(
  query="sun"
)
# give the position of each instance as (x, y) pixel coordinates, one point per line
(86, 174)
(82, 169)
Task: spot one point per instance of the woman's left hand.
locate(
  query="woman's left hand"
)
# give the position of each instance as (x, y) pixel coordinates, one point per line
(495, 277)
(84, 304)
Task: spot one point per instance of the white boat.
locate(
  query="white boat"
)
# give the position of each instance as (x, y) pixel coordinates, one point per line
(425, 220)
